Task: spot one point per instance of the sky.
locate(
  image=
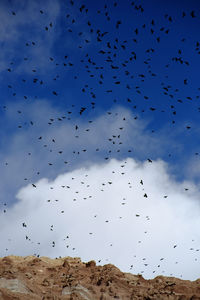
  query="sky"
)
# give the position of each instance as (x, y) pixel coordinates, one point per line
(99, 133)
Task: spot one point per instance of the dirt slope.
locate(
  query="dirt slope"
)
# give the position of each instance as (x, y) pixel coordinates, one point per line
(69, 278)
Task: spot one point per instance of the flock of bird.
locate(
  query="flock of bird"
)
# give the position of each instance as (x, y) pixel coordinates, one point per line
(108, 69)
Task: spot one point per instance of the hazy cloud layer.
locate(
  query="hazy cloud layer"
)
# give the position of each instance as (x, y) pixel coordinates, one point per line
(20, 30)
(44, 148)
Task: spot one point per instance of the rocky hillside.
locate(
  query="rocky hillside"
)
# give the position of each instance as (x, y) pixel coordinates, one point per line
(69, 278)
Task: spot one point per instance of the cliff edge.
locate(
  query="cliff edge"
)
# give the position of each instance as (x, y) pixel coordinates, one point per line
(67, 278)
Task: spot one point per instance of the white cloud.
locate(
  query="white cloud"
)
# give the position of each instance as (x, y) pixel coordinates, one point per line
(90, 201)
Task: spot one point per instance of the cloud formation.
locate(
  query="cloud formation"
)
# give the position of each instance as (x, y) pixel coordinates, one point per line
(129, 213)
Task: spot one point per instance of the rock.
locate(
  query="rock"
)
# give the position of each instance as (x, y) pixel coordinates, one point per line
(66, 265)
(79, 290)
(31, 278)
(14, 285)
(90, 264)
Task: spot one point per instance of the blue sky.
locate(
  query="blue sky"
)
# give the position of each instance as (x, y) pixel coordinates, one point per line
(133, 68)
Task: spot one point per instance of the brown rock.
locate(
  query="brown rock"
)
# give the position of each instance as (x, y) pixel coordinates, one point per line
(31, 278)
(91, 264)
(66, 265)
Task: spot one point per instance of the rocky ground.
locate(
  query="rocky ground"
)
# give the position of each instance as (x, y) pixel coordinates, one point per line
(27, 278)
